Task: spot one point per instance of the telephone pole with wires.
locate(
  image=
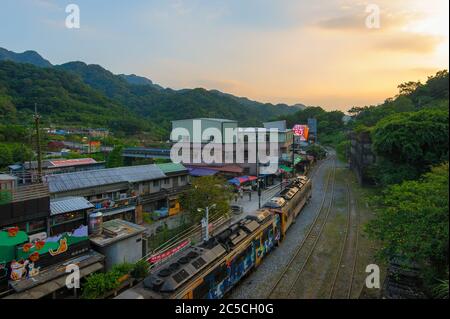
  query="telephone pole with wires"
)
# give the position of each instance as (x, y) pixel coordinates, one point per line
(37, 119)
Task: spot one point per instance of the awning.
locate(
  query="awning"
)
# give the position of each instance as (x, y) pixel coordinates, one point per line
(298, 159)
(242, 179)
(200, 172)
(285, 168)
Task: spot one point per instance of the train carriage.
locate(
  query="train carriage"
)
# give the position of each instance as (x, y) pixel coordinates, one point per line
(213, 268)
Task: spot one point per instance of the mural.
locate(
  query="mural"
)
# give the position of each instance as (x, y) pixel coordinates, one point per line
(18, 254)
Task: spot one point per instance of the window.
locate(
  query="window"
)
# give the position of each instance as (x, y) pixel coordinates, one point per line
(183, 179)
(201, 291)
(37, 226)
(167, 181)
(155, 183)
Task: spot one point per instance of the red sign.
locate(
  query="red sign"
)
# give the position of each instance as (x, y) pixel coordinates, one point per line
(302, 131)
(160, 257)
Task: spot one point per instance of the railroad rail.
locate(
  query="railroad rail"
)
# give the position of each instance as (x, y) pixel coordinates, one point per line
(304, 251)
(346, 266)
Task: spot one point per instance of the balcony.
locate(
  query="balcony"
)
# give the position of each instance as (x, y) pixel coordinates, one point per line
(109, 205)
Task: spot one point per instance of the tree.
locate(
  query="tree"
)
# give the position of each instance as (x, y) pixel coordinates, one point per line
(412, 223)
(408, 88)
(6, 157)
(115, 158)
(206, 191)
(415, 140)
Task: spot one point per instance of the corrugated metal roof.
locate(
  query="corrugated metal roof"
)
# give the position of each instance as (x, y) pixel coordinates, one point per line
(171, 167)
(85, 179)
(68, 204)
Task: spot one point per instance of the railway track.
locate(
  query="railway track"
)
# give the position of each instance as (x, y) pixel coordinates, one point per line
(284, 285)
(342, 284)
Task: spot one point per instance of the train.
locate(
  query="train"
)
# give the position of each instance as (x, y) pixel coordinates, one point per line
(211, 269)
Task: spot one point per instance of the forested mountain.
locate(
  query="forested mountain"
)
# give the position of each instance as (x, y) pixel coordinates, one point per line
(162, 106)
(62, 98)
(30, 57)
(77, 93)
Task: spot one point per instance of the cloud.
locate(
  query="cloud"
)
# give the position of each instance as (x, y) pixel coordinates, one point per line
(354, 20)
(410, 43)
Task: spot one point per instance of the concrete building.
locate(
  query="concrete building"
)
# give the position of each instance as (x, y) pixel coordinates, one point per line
(120, 242)
(246, 136)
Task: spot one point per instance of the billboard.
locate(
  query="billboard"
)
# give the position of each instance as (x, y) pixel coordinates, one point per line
(302, 131)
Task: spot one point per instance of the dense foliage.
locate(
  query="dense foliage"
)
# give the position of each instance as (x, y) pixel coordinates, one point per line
(408, 144)
(100, 284)
(409, 133)
(413, 221)
(14, 145)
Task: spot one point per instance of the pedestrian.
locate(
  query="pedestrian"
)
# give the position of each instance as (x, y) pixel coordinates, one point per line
(235, 197)
(250, 196)
(241, 193)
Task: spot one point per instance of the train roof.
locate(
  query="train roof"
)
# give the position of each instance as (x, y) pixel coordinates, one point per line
(173, 273)
(275, 202)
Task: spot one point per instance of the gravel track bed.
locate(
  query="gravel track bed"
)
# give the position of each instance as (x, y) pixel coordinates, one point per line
(258, 283)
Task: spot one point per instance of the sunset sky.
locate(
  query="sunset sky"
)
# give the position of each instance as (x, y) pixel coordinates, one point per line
(290, 51)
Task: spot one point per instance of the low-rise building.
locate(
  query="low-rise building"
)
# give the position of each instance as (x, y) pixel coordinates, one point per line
(120, 241)
(124, 192)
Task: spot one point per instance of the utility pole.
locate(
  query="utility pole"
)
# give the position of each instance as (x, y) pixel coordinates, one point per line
(257, 170)
(205, 221)
(37, 119)
(293, 152)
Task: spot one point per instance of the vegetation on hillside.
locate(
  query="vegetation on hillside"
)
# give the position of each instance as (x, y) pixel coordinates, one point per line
(412, 223)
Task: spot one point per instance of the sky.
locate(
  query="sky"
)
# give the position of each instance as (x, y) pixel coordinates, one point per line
(315, 52)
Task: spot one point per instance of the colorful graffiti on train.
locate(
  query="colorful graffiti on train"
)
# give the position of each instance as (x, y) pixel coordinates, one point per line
(241, 264)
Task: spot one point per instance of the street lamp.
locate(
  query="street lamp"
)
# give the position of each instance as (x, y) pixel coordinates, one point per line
(205, 220)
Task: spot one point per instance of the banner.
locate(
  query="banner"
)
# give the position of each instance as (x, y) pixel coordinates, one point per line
(160, 257)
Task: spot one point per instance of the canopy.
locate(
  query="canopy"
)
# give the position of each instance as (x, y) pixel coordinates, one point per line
(242, 179)
(199, 172)
(298, 159)
(285, 168)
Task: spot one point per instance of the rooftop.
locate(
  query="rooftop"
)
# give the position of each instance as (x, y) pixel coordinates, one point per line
(55, 163)
(208, 119)
(69, 204)
(116, 230)
(168, 168)
(86, 179)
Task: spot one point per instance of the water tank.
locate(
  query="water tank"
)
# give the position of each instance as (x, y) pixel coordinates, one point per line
(96, 223)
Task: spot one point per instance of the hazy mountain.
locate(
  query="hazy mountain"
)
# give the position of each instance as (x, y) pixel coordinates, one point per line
(30, 57)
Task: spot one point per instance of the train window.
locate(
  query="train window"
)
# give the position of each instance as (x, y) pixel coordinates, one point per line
(201, 291)
(220, 273)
